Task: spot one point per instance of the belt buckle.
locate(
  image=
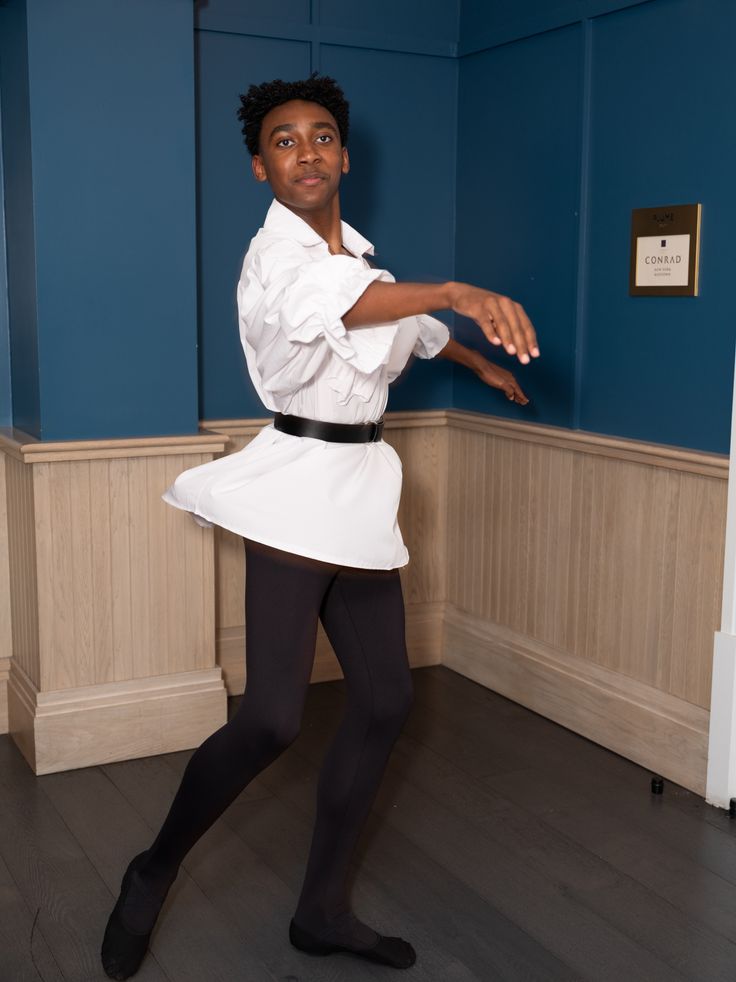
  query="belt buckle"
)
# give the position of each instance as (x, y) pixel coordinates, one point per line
(376, 424)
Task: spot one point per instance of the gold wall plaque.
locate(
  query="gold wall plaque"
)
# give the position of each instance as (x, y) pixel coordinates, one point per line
(665, 251)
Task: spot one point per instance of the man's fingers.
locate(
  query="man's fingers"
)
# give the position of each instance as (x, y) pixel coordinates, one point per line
(488, 325)
(510, 329)
(504, 322)
(513, 391)
(529, 332)
(518, 339)
(501, 324)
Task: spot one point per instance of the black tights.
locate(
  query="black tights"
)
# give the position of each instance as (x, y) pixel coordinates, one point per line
(362, 611)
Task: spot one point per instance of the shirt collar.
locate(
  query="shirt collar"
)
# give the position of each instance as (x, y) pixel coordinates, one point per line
(283, 221)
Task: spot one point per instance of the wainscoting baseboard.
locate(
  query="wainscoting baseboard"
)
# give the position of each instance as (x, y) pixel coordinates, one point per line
(656, 730)
(94, 724)
(4, 673)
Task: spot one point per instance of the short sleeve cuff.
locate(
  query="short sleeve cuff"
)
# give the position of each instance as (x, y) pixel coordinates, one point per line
(314, 304)
(433, 336)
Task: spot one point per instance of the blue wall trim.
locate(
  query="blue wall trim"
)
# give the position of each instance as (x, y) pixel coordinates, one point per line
(485, 25)
(382, 25)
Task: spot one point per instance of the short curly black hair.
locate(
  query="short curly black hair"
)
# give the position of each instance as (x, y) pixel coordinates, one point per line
(261, 99)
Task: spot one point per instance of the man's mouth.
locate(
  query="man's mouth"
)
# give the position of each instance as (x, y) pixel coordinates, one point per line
(310, 180)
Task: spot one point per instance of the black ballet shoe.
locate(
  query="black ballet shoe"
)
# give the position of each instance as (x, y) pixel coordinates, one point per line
(123, 949)
(387, 950)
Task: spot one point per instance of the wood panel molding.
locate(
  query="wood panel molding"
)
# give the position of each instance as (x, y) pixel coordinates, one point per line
(4, 674)
(656, 730)
(637, 451)
(61, 729)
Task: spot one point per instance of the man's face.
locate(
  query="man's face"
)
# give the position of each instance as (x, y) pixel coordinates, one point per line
(300, 155)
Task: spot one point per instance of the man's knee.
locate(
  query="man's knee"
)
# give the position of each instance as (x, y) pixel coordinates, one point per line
(395, 705)
(280, 732)
(271, 732)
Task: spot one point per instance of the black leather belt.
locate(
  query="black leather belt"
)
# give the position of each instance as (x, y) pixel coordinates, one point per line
(323, 430)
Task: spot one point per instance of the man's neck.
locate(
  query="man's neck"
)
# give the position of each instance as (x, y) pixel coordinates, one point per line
(326, 223)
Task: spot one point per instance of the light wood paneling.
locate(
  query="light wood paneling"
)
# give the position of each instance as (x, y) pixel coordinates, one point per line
(544, 562)
(126, 580)
(22, 567)
(422, 511)
(611, 552)
(6, 637)
(109, 587)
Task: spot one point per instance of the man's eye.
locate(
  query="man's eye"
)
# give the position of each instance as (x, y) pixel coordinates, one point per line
(326, 137)
(283, 143)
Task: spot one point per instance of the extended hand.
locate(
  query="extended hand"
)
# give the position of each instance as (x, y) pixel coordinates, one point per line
(499, 378)
(502, 320)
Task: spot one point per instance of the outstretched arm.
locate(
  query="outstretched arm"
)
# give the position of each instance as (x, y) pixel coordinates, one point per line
(487, 371)
(502, 320)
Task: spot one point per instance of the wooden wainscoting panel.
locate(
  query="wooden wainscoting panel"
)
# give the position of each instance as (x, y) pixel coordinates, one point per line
(612, 553)
(22, 566)
(125, 581)
(701, 533)
(6, 633)
(107, 586)
(4, 674)
(422, 509)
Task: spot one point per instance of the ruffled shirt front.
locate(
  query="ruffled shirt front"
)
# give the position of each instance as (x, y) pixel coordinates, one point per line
(332, 501)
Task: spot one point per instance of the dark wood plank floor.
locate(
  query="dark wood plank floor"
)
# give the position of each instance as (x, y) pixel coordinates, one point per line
(503, 846)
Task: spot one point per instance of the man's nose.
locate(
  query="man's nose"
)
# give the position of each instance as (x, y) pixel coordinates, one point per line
(309, 153)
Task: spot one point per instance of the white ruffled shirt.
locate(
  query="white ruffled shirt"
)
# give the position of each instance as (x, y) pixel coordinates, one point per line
(332, 501)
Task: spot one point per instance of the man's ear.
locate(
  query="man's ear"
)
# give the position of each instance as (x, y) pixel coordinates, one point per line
(259, 171)
(345, 160)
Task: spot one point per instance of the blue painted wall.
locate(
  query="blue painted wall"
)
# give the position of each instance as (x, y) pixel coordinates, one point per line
(561, 134)
(655, 368)
(6, 405)
(501, 143)
(22, 342)
(488, 23)
(101, 241)
(231, 206)
(518, 189)
(402, 202)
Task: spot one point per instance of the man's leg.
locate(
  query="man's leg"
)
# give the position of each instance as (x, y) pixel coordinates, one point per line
(363, 616)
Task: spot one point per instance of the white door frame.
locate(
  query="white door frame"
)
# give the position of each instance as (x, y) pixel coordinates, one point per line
(721, 779)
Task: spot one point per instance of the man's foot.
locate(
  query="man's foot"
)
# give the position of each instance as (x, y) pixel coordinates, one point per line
(131, 922)
(347, 934)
